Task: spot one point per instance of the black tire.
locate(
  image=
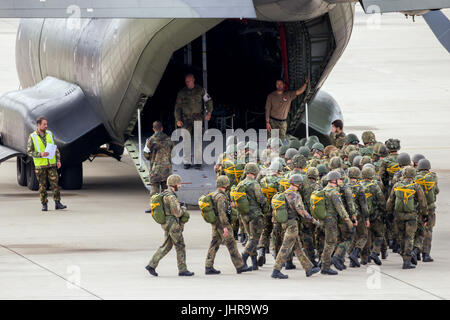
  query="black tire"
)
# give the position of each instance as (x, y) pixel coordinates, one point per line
(72, 177)
(21, 171)
(32, 182)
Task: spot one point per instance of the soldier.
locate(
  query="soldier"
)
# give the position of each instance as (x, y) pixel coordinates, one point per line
(403, 200)
(291, 241)
(352, 140)
(389, 165)
(323, 171)
(258, 208)
(222, 230)
(416, 158)
(173, 229)
(337, 135)
(334, 208)
(290, 153)
(45, 168)
(429, 182)
(317, 151)
(188, 109)
(304, 151)
(158, 150)
(369, 140)
(278, 105)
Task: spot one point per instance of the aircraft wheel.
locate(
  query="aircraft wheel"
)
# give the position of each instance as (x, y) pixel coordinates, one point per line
(32, 182)
(21, 171)
(72, 177)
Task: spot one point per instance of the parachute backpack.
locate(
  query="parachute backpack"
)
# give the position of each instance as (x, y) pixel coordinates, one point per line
(369, 196)
(284, 184)
(269, 187)
(239, 195)
(404, 202)
(157, 208)
(318, 209)
(392, 168)
(428, 182)
(206, 205)
(279, 207)
(233, 171)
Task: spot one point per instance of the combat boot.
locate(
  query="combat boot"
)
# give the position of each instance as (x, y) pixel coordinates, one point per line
(337, 263)
(329, 271)
(59, 205)
(148, 211)
(408, 265)
(375, 258)
(384, 254)
(244, 258)
(413, 258)
(187, 166)
(244, 268)
(391, 244)
(427, 258)
(44, 207)
(261, 256)
(310, 272)
(278, 275)
(151, 270)
(364, 261)
(396, 248)
(211, 271)
(186, 273)
(289, 265)
(354, 258)
(254, 263)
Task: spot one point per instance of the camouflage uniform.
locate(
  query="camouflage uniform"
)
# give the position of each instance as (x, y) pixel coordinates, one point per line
(45, 172)
(159, 152)
(264, 240)
(337, 140)
(222, 205)
(173, 232)
(361, 235)
(281, 126)
(291, 240)
(345, 232)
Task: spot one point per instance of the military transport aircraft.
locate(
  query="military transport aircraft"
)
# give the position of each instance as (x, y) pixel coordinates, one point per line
(88, 66)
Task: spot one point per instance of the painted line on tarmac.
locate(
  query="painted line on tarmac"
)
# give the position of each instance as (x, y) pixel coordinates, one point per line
(51, 271)
(410, 284)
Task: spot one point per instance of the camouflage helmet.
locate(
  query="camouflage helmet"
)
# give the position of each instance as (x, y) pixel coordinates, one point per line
(222, 182)
(294, 143)
(275, 143)
(404, 159)
(383, 151)
(304, 151)
(417, 157)
(302, 142)
(290, 153)
(231, 150)
(348, 149)
(231, 140)
(424, 164)
(354, 173)
(283, 150)
(252, 145)
(367, 173)
(328, 149)
(240, 146)
(409, 172)
(376, 148)
(351, 138)
(312, 173)
(310, 144)
(356, 161)
(251, 168)
(276, 166)
(335, 163)
(313, 138)
(173, 180)
(364, 160)
(333, 175)
(322, 169)
(392, 144)
(299, 161)
(369, 165)
(295, 179)
(318, 146)
(352, 155)
(368, 137)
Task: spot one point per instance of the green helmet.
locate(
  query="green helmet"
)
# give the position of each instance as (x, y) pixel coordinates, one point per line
(404, 159)
(368, 137)
(369, 165)
(222, 182)
(376, 148)
(312, 173)
(352, 155)
(252, 145)
(351, 138)
(231, 150)
(383, 151)
(409, 172)
(240, 146)
(364, 160)
(310, 144)
(424, 164)
(295, 143)
(392, 144)
(354, 173)
(283, 150)
(322, 169)
(299, 161)
(318, 146)
(276, 143)
(348, 149)
(276, 166)
(302, 142)
(252, 168)
(290, 153)
(231, 140)
(173, 180)
(417, 157)
(295, 179)
(335, 163)
(304, 151)
(333, 175)
(313, 138)
(367, 173)
(356, 161)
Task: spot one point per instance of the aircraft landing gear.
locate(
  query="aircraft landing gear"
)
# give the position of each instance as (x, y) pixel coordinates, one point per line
(71, 177)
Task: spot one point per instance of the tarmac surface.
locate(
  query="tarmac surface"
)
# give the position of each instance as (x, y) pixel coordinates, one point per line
(394, 81)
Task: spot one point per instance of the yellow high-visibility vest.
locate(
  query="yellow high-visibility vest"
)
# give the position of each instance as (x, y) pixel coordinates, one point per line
(40, 147)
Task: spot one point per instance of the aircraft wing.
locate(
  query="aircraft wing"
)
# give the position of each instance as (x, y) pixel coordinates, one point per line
(127, 9)
(382, 6)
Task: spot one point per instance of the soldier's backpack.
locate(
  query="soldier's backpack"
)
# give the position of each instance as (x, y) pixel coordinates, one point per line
(157, 208)
(185, 217)
(404, 200)
(207, 208)
(269, 186)
(318, 208)
(367, 187)
(284, 184)
(279, 207)
(392, 166)
(428, 182)
(233, 170)
(239, 195)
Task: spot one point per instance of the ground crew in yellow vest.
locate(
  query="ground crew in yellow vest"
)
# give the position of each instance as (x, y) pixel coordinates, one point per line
(173, 229)
(222, 230)
(258, 208)
(334, 208)
(406, 196)
(291, 239)
(429, 182)
(45, 168)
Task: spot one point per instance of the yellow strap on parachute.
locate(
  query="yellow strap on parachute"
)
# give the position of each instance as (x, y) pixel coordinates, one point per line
(285, 184)
(393, 169)
(232, 170)
(276, 204)
(407, 193)
(315, 200)
(368, 195)
(428, 185)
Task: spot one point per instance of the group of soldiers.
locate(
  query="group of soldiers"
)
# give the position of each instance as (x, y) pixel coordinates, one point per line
(375, 199)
